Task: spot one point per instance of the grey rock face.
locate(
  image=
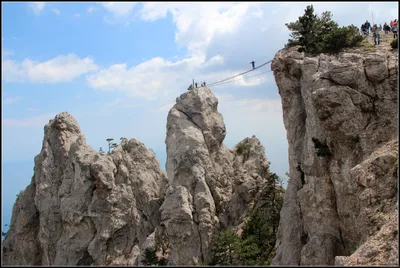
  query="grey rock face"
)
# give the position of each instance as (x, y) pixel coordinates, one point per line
(84, 207)
(210, 185)
(340, 113)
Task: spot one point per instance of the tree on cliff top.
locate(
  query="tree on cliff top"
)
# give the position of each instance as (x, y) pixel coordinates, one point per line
(320, 34)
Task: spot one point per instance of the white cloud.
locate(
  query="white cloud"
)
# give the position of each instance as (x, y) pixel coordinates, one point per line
(130, 106)
(6, 53)
(224, 97)
(77, 15)
(261, 117)
(91, 9)
(119, 8)
(272, 107)
(116, 102)
(216, 60)
(59, 69)
(198, 23)
(10, 100)
(165, 107)
(151, 79)
(37, 7)
(39, 120)
(56, 11)
(158, 78)
(213, 28)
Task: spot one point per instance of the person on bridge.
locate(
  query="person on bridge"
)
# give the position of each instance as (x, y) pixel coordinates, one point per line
(252, 63)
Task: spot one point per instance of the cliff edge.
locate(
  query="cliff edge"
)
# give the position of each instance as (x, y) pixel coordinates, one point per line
(88, 208)
(340, 114)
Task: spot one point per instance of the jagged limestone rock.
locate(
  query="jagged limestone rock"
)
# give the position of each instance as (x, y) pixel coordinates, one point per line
(84, 207)
(210, 186)
(339, 112)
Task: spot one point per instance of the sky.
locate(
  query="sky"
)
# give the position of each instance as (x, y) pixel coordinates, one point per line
(118, 68)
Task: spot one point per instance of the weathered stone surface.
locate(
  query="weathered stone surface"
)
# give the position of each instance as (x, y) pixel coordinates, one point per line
(88, 208)
(341, 122)
(210, 185)
(380, 249)
(375, 67)
(84, 207)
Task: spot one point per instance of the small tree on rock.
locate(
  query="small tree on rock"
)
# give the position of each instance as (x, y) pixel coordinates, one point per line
(150, 257)
(225, 248)
(111, 145)
(321, 34)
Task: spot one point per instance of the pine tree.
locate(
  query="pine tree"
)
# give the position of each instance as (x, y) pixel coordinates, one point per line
(225, 248)
(321, 34)
(150, 257)
(257, 242)
(302, 29)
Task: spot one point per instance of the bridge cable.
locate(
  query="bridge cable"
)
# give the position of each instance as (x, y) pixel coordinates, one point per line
(226, 82)
(239, 74)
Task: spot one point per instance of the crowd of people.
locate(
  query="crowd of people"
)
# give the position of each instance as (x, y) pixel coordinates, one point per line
(376, 30)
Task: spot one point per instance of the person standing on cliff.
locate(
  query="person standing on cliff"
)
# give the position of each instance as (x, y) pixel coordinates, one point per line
(385, 28)
(394, 29)
(367, 27)
(377, 35)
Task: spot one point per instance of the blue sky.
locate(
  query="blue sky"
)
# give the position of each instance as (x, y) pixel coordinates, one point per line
(118, 67)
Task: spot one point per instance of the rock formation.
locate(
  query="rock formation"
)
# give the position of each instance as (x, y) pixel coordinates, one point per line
(340, 113)
(209, 185)
(84, 207)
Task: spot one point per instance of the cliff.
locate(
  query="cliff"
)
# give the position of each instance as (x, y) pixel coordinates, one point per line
(210, 186)
(87, 208)
(83, 207)
(340, 113)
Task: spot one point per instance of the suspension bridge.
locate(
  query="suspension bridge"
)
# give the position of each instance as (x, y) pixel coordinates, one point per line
(238, 77)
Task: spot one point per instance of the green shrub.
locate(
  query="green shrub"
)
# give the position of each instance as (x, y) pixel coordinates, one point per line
(242, 147)
(225, 249)
(394, 43)
(341, 38)
(151, 259)
(257, 241)
(320, 34)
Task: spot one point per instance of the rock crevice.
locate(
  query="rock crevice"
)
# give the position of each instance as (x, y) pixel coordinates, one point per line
(347, 102)
(87, 208)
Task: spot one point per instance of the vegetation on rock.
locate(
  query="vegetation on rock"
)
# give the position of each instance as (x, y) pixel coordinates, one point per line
(255, 245)
(394, 43)
(151, 259)
(320, 34)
